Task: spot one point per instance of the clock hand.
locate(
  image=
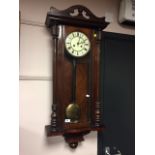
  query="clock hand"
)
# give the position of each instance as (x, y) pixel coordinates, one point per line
(81, 42)
(78, 41)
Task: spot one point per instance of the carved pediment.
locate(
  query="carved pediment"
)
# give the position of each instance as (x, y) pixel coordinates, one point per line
(77, 15)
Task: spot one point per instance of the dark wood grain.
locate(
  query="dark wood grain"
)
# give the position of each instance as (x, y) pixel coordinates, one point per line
(62, 23)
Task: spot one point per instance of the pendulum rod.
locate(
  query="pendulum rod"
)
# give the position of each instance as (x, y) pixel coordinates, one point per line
(74, 81)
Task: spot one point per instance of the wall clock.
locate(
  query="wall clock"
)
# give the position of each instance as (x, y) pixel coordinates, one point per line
(77, 44)
(76, 107)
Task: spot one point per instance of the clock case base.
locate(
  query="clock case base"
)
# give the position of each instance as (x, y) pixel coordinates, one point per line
(72, 137)
(78, 16)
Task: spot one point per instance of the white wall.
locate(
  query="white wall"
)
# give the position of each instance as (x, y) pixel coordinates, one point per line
(36, 75)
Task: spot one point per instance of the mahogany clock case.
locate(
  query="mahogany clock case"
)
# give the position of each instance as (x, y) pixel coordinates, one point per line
(85, 80)
(87, 84)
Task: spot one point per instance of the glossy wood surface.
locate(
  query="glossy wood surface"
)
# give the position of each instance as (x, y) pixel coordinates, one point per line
(76, 18)
(82, 78)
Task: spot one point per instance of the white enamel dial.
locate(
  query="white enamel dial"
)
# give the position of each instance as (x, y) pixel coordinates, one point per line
(77, 44)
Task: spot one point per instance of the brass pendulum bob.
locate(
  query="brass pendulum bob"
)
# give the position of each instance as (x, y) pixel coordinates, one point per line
(73, 109)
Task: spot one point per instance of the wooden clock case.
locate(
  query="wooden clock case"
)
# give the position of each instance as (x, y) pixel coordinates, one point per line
(61, 23)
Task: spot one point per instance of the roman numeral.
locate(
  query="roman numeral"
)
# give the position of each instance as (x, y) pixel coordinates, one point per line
(81, 35)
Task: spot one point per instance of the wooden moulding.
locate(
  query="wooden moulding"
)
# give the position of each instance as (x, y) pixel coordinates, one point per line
(50, 132)
(72, 137)
(77, 15)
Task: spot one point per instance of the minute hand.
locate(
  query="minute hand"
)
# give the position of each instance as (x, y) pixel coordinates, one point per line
(81, 42)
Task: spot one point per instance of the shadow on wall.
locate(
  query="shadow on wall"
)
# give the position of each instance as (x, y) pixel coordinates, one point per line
(56, 141)
(34, 143)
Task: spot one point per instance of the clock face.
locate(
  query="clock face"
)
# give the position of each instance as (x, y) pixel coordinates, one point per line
(77, 44)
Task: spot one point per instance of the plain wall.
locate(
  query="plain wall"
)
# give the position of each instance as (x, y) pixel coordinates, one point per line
(36, 75)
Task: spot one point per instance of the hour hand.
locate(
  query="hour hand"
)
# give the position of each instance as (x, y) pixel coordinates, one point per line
(78, 41)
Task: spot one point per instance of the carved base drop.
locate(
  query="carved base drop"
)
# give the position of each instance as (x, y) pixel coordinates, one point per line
(74, 138)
